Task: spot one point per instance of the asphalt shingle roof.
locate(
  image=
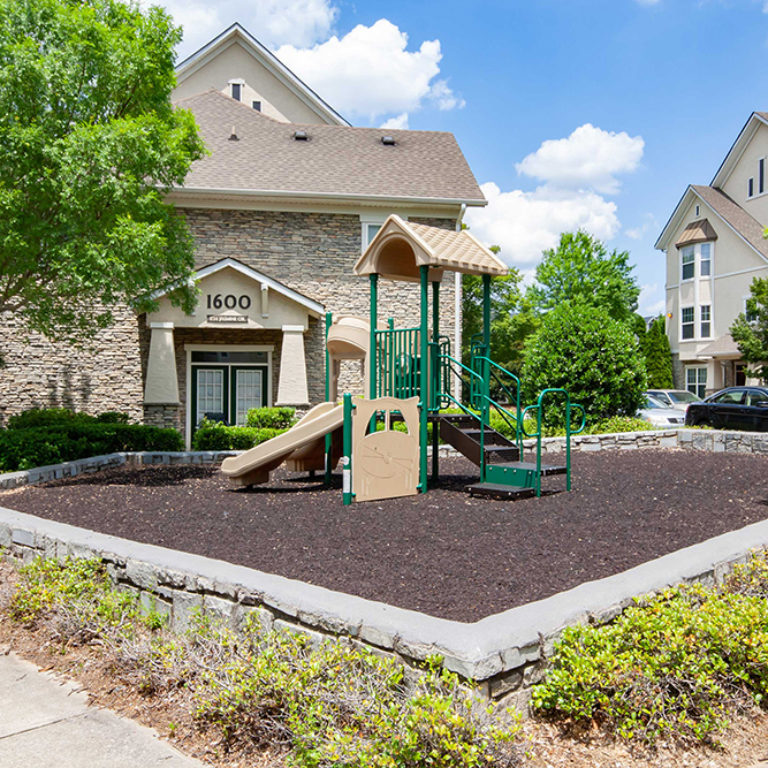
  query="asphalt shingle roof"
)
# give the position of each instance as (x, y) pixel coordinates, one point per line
(744, 223)
(334, 160)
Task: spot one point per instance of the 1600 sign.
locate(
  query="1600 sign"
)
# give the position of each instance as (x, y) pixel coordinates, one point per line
(228, 301)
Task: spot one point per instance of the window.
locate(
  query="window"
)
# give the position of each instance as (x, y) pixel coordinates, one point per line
(236, 88)
(750, 315)
(696, 381)
(689, 262)
(687, 319)
(757, 398)
(257, 105)
(751, 188)
(706, 317)
(705, 259)
(761, 175)
(698, 210)
(369, 230)
(689, 255)
(733, 397)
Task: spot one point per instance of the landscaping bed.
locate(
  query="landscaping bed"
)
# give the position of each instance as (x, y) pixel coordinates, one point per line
(444, 553)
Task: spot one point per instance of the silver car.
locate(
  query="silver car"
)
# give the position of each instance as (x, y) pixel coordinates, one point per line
(679, 399)
(659, 415)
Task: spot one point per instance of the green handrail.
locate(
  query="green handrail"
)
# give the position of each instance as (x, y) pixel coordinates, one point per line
(538, 407)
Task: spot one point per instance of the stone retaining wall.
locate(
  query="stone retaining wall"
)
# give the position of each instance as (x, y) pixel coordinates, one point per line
(504, 654)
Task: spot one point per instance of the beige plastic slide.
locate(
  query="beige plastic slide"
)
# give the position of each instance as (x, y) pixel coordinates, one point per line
(253, 467)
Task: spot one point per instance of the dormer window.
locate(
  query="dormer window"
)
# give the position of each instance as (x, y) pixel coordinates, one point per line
(256, 105)
(236, 88)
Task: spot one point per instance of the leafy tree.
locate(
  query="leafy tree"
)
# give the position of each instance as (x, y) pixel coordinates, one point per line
(90, 145)
(752, 337)
(595, 358)
(580, 268)
(658, 357)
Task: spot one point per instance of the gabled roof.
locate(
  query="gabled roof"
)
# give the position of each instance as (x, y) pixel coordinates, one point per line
(313, 307)
(756, 119)
(746, 226)
(401, 247)
(268, 60)
(332, 162)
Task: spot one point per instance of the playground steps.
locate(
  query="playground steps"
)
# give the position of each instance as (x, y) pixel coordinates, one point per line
(497, 491)
(506, 476)
(462, 433)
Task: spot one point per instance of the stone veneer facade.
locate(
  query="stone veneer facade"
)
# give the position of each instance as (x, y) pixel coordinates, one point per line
(312, 253)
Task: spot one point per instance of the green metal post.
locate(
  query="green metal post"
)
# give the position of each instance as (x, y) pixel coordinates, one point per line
(435, 375)
(346, 472)
(568, 441)
(328, 439)
(372, 361)
(423, 380)
(486, 340)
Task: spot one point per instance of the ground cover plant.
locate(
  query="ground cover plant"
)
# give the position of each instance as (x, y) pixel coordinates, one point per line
(331, 703)
(674, 665)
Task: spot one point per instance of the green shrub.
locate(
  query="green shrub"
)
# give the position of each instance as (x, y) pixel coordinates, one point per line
(55, 417)
(78, 439)
(594, 358)
(271, 418)
(217, 437)
(673, 665)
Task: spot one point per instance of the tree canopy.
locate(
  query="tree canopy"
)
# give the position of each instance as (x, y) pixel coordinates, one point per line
(580, 269)
(90, 145)
(658, 358)
(751, 335)
(595, 358)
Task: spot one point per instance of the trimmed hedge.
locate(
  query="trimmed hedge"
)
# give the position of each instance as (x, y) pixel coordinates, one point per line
(271, 418)
(218, 437)
(55, 417)
(75, 438)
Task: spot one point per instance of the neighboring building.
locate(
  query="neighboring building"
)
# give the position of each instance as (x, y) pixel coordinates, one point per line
(715, 247)
(280, 211)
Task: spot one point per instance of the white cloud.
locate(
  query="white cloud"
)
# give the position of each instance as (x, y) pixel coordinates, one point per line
(369, 72)
(272, 22)
(649, 302)
(649, 224)
(397, 123)
(588, 158)
(578, 172)
(526, 223)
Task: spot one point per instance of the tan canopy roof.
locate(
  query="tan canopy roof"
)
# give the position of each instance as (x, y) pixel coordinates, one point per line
(401, 247)
(697, 232)
(722, 347)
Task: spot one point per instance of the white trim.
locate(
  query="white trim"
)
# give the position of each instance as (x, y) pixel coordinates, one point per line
(740, 272)
(315, 308)
(281, 194)
(161, 325)
(268, 60)
(190, 348)
(293, 329)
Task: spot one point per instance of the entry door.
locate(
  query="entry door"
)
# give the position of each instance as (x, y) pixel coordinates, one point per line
(226, 393)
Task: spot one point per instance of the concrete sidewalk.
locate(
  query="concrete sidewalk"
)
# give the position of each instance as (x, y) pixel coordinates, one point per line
(45, 723)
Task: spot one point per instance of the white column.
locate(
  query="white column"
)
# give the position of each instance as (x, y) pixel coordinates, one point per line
(292, 383)
(162, 386)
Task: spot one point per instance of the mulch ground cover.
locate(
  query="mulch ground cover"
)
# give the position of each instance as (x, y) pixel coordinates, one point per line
(442, 553)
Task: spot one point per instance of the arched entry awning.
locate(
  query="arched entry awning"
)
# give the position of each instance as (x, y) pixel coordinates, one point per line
(401, 248)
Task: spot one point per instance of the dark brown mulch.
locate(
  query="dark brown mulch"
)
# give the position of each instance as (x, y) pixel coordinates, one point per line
(442, 553)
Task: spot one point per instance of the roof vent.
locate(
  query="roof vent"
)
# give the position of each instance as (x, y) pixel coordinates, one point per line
(388, 141)
(300, 135)
(233, 136)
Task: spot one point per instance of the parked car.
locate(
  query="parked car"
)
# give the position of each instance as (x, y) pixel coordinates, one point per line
(675, 398)
(657, 413)
(732, 408)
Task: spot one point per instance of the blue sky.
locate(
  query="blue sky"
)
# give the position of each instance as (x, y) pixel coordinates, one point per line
(571, 113)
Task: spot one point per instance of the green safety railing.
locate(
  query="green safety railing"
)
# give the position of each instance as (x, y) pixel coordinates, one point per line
(538, 409)
(398, 362)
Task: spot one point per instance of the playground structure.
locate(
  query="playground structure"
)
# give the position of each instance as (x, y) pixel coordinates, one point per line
(409, 374)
